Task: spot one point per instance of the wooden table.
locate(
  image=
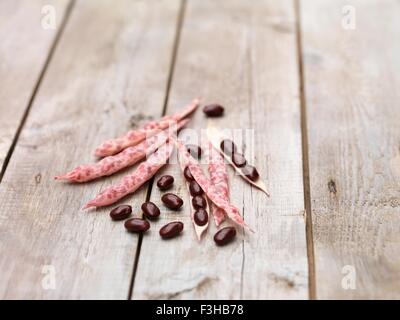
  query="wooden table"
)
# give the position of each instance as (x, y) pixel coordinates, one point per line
(316, 81)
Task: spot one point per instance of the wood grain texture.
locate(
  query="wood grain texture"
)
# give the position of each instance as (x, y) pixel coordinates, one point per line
(109, 71)
(21, 32)
(243, 57)
(352, 77)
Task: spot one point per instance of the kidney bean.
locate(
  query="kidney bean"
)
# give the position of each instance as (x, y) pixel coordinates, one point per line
(171, 230)
(195, 189)
(200, 217)
(194, 150)
(228, 147)
(213, 110)
(165, 182)
(172, 201)
(121, 212)
(150, 210)
(239, 160)
(224, 236)
(137, 225)
(188, 174)
(199, 202)
(250, 172)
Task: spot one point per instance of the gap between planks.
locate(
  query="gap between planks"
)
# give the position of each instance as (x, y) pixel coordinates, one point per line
(36, 87)
(179, 24)
(304, 147)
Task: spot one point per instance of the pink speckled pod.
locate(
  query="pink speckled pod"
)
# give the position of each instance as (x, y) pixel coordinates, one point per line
(133, 137)
(210, 190)
(219, 178)
(128, 157)
(132, 182)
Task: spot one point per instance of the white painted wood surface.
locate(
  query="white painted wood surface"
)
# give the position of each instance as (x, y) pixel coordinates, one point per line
(110, 71)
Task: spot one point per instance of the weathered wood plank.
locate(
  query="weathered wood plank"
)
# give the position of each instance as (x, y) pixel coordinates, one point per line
(244, 57)
(352, 78)
(21, 32)
(112, 63)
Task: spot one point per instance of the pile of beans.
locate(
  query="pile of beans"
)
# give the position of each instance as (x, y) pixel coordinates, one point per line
(139, 225)
(229, 148)
(152, 212)
(172, 201)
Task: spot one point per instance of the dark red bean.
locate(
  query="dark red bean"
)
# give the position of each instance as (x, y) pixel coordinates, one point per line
(224, 236)
(250, 172)
(171, 230)
(121, 212)
(188, 174)
(165, 182)
(195, 189)
(228, 147)
(200, 217)
(194, 150)
(137, 225)
(199, 202)
(150, 210)
(172, 201)
(239, 160)
(213, 110)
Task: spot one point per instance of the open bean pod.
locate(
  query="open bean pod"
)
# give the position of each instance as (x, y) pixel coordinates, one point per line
(215, 137)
